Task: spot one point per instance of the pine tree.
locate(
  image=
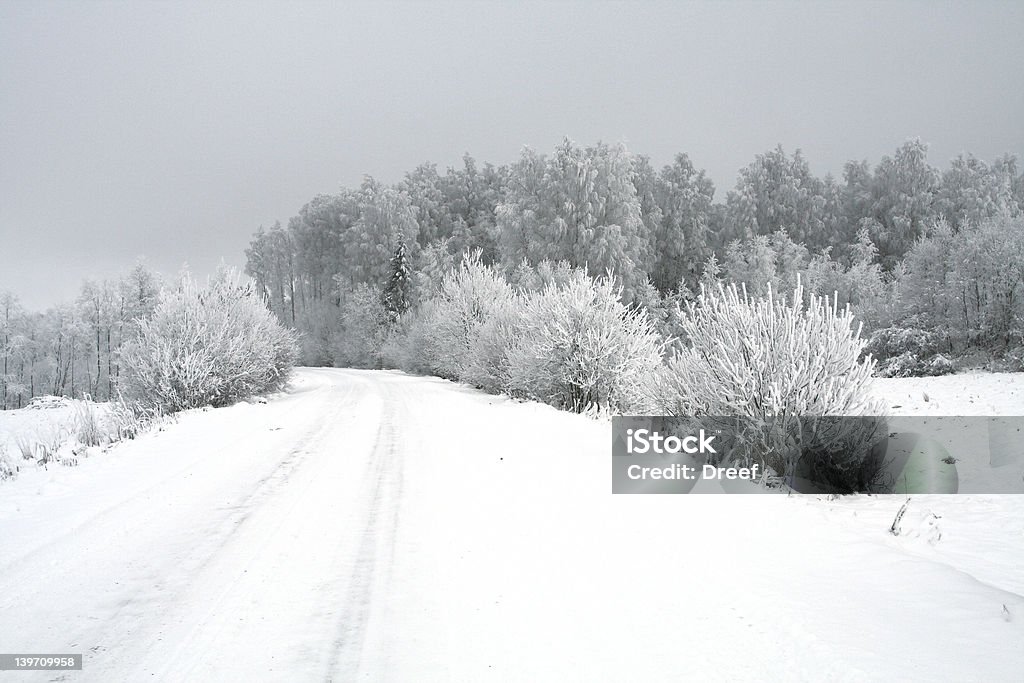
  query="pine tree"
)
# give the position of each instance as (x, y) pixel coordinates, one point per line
(396, 291)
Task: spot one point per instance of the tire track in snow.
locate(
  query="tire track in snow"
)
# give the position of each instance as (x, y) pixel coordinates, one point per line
(118, 508)
(374, 559)
(218, 535)
(136, 560)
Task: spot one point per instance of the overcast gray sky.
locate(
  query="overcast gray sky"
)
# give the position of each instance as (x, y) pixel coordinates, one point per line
(173, 130)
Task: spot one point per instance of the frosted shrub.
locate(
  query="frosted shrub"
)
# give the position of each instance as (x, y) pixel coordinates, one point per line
(579, 347)
(468, 297)
(207, 346)
(772, 361)
(895, 341)
(908, 352)
(487, 363)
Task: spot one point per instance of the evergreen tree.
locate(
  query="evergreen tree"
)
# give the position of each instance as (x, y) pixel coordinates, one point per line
(399, 284)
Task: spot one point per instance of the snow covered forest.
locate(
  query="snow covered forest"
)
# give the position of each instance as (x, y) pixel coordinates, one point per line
(931, 261)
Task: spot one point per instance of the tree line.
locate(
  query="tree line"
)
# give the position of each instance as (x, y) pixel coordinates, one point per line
(871, 236)
(930, 260)
(72, 349)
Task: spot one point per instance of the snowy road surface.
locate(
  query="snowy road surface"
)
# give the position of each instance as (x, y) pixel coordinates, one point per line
(374, 526)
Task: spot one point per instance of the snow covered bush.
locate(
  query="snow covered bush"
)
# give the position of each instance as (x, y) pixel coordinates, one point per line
(770, 360)
(410, 345)
(907, 352)
(438, 337)
(207, 346)
(895, 341)
(1011, 361)
(909, 365)
(469, 296)
(579, 347)
(766, 356)
(487, 363)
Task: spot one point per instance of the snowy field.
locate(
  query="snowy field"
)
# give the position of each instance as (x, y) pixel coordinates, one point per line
(49, 420)
(376, 526)
(975, 393)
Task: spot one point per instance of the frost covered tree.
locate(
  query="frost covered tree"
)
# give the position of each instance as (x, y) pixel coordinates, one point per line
(578, 205)
(778, 192)
(899, 201)
(431, 265)
(139, 291)
(683, 195)
(971, 191)
(425, 189)
(861, 284)
(645, 184)
(100, 307)
(967, 286)
(386, 217)
(989, 273)
(318, 237)
(473, 194)
(364, 323)
(766, 261)
(750, 264)
(271, 261)
(9, 313)
(926, 280)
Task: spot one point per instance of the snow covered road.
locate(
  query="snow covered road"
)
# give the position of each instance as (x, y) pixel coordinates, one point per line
(375, 526)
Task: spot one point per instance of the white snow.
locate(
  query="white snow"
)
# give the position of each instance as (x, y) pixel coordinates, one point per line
(974, 393)
(375, 526)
